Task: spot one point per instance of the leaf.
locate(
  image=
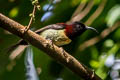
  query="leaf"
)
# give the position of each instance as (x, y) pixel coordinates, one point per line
(113, 15)
(14, 12)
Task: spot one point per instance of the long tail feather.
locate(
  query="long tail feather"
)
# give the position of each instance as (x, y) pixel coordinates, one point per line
(14, 46)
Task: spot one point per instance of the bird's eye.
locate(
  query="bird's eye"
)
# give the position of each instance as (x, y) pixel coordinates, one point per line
(79, 26)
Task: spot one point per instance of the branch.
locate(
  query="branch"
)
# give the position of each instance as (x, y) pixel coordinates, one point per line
(56, 53)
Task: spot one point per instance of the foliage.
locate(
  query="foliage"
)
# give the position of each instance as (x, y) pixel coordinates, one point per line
(103, 57)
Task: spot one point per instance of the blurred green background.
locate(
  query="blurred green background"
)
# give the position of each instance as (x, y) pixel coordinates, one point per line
(103, 56)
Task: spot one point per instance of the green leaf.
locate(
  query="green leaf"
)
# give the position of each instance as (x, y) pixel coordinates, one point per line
(109, 43)
(113, 15)
(14, 12)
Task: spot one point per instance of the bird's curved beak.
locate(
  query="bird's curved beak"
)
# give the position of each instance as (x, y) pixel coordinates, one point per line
(91, 28)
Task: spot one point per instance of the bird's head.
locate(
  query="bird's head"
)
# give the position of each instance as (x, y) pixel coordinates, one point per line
(77, 28)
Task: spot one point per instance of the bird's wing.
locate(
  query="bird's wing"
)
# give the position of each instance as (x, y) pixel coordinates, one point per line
(53, 26)
(22, 42)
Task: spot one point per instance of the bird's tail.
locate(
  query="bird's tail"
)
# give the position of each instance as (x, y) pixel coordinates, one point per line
(14, 46)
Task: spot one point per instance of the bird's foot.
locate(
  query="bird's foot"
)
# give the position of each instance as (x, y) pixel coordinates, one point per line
(49, 44)
(65, 55)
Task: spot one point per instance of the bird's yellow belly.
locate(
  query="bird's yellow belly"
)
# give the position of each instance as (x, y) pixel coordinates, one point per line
(58, 37)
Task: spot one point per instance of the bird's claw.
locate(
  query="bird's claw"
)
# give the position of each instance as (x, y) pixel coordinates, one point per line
(50, 44)
(66, 57)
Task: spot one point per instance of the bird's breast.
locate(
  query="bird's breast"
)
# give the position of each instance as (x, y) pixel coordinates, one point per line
(58, 37)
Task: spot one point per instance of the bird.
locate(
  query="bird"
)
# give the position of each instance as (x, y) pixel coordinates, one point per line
(60, 33)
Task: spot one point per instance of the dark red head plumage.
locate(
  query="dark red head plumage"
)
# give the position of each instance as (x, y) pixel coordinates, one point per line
(75, 29)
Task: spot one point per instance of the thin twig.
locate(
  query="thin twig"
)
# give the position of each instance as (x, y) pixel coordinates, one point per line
(31, 19)
(36, 6)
